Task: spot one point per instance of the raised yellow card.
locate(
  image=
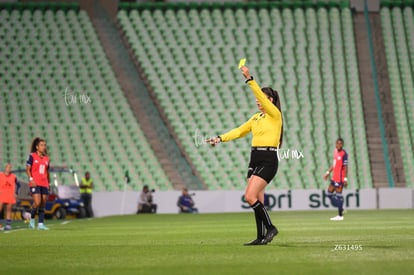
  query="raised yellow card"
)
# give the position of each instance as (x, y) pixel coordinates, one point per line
(242, 62)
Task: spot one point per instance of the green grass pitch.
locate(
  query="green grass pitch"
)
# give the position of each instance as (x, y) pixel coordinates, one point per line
(366, 242)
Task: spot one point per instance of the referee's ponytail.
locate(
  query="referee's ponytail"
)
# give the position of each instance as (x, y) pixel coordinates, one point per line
(276, 101)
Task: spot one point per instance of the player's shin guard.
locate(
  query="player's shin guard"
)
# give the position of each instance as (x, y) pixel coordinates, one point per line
(340, 203)
(261, 212)
(33, 212)
(41, 214)
(333, 198)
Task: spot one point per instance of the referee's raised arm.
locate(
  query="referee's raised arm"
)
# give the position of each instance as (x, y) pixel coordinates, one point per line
(268, 106)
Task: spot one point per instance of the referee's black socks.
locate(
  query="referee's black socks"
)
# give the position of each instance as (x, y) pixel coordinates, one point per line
(261, 214)
(259, 227)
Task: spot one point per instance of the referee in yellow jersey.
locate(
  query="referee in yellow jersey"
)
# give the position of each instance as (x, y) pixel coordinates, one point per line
(266, 127)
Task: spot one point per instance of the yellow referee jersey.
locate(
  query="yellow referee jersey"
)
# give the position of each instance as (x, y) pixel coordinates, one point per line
(265, 127)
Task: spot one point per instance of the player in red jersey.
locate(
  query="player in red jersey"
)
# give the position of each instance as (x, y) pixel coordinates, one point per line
(37, 169)
(339, 179)
(7, 193)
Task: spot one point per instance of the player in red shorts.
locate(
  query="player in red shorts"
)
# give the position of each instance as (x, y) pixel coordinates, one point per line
(338, 180)
(37, 169)
(7, 193)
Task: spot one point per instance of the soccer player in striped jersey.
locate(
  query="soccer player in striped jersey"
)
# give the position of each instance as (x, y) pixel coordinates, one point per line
(37, 169)
(339, 179)
(267, 130)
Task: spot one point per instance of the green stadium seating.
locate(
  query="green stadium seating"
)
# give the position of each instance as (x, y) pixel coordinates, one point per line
(398, 32)
(48, 53)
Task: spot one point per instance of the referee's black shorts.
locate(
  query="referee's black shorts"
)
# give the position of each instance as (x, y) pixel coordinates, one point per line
(263, 163)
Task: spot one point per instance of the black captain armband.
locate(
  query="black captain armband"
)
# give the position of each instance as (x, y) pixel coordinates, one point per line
(249, 79)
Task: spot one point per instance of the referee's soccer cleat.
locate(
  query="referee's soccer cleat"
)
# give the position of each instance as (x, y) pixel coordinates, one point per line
(271, 233)
(32, 224)
(337, 218)
(42, 227)
(256, 242)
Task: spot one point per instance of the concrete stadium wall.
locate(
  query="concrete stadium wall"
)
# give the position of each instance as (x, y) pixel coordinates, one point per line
(120, 203)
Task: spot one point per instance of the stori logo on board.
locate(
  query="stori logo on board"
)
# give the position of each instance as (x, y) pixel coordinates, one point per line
(280, 201)
(274, 201)
(313, 200)
(322, 200)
